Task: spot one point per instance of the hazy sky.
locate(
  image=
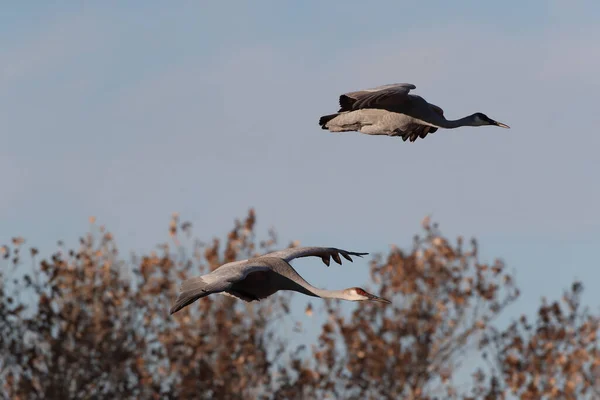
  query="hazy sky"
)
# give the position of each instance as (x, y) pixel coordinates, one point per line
(130, 112)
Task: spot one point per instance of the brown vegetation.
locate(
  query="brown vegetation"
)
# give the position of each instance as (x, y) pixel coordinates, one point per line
(86, 324)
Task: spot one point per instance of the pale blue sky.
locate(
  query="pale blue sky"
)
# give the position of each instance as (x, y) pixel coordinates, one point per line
(130, 112)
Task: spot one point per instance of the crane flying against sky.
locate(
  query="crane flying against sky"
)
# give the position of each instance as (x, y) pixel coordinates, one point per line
(260, 277)
(390, 110)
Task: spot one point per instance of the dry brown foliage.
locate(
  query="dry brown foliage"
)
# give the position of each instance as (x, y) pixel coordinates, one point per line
(86, 324)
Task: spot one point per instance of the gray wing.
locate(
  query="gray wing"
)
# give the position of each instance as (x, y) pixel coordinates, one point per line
(324, 252)
(385, 97)
(217, 281)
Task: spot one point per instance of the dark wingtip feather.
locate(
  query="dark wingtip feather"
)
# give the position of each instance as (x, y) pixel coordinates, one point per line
(351, 253)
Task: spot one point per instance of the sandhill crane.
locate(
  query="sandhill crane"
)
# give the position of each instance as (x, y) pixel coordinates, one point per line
(390, 110)
(260, 277)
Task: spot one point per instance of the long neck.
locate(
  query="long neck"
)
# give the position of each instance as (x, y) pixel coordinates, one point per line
(293, 280)
(441, 122)
(331, 294)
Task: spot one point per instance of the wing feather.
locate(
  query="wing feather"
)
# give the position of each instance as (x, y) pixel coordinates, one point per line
(384, 97)
(325, 253)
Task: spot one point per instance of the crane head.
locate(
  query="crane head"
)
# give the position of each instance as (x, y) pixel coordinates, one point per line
(480, 119)
(358, 294)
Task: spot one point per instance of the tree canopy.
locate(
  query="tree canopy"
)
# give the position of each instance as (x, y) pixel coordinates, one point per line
(87, 323)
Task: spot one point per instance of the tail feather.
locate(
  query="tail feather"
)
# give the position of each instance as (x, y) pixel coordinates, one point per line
(187, 298)
(192, 290)
(192, 283)
(325, 119)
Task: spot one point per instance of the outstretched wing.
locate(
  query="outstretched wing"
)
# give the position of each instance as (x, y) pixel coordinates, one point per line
(217, 281)
(383, 97)
(326, 253)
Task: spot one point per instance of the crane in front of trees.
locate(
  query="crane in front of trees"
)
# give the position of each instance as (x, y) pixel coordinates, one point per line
(257, 278)
(390, 110)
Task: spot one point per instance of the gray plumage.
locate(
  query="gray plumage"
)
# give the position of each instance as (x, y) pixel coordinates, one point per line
(391, 110)
(260, 277)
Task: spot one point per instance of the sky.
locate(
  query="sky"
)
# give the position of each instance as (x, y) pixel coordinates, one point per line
(130, 112)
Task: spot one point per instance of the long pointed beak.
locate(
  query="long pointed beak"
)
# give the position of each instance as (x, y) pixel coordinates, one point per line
(501, 125)
(372, 297)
